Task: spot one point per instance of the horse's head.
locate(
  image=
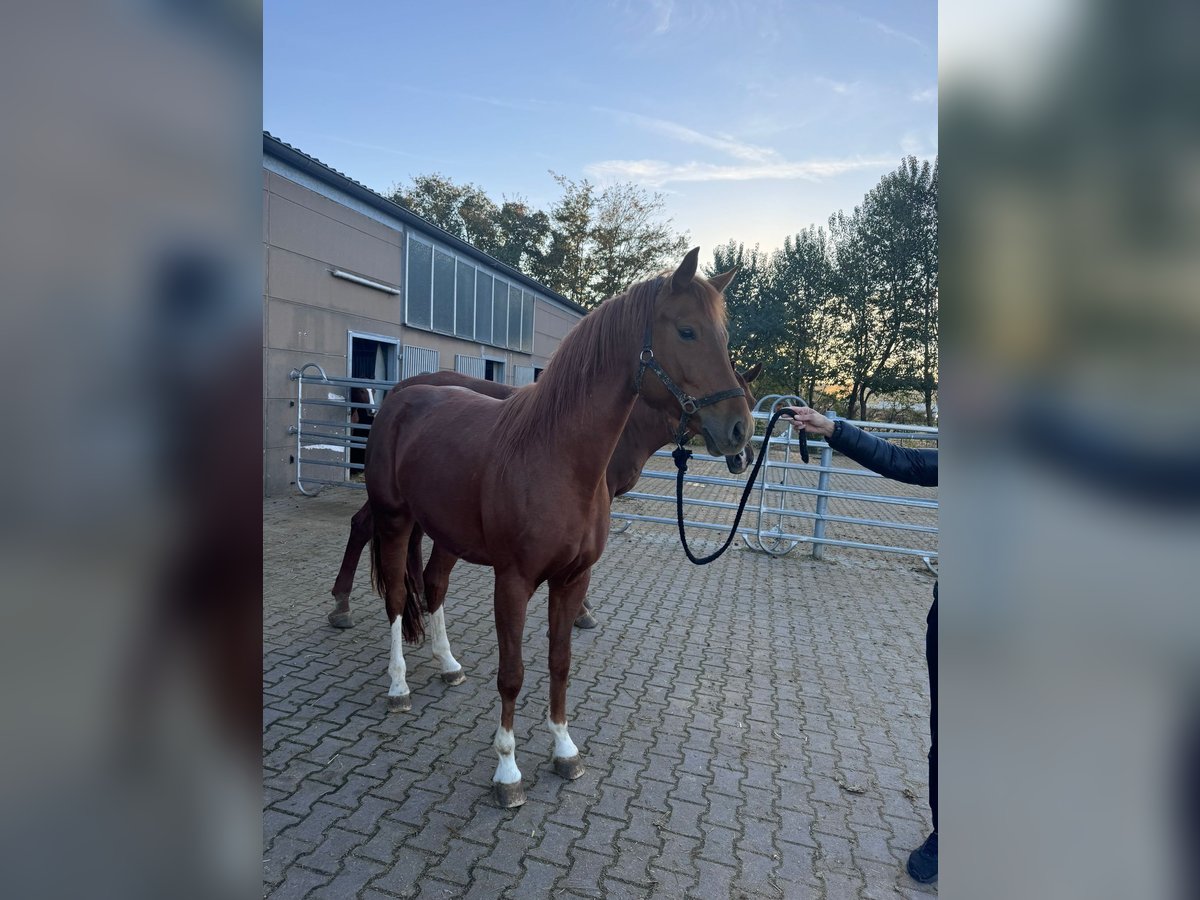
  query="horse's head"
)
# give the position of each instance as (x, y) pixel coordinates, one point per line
(740, 462)
(691, 344)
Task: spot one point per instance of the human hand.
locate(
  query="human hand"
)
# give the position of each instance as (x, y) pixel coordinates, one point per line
(810, 420)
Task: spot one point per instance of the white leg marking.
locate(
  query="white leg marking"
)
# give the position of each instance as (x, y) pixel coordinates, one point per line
(506, 748)
(441, 644)
(564, 747)
(396, 667)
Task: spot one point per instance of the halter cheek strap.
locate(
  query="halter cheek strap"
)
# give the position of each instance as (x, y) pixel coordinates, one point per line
(689, 404)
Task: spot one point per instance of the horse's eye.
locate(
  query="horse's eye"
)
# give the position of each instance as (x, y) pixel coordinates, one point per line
(687, 334)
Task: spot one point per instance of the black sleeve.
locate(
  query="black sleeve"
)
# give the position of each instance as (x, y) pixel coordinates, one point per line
(884, 457)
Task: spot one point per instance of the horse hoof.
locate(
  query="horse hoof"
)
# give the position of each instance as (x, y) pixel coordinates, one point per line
(587, 620)
(458, 676)
(399, 702)
(508, 796)
(340, 619)
(570, 768)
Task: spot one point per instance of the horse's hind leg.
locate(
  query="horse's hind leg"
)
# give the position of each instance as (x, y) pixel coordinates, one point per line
(512, 598)
(390, 556)
(361, 526)
(437, 581)
(566, 600)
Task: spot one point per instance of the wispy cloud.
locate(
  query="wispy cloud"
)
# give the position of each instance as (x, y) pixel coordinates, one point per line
(656, 173)
(754, 162)
(364, 145)
(662, 10)
(721, 142)
(884, 28)
(528, 104)
(838, 87)
(929, 95)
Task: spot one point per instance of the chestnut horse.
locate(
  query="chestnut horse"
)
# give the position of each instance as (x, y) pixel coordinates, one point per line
(646, 431)
(529, 497)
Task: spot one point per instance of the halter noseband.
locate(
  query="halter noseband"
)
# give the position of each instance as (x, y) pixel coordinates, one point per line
(689, 404)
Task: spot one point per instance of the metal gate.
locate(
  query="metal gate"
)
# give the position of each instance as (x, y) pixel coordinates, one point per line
(522, 375)
(323, 431)
(783, 486)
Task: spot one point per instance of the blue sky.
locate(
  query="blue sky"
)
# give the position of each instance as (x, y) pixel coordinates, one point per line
(755, 119)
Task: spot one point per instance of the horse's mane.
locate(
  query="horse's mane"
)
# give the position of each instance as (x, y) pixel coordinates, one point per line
(601, 341)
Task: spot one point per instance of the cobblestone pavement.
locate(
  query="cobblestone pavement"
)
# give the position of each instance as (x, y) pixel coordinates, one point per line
(752, 728)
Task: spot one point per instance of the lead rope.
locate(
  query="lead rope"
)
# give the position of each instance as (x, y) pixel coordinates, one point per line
(682, 454)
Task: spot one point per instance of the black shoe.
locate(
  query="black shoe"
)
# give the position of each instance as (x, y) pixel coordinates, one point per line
(922, 862)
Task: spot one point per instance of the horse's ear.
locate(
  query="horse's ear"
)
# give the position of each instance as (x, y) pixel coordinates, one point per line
(721, 281)
(751, 373)
(686, 272)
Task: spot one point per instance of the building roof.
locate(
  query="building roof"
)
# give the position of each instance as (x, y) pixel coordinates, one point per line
(310, 165)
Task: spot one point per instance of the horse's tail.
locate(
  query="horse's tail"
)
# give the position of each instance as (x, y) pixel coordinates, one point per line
(378, 578)
(412, 616)
(416, 607)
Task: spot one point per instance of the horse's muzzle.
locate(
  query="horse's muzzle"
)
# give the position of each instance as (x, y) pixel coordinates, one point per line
(727, 438)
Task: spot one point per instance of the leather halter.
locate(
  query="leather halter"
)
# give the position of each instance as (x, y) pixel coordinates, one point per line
(689, 404)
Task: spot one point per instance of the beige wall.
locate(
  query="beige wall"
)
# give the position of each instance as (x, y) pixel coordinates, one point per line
(308, 312)
(550, 325)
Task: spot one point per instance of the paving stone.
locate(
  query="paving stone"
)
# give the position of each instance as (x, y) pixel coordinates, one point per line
(706, 777)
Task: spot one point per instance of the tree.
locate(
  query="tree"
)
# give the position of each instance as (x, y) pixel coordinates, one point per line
(755, 327)
(600, 242)
(465, 211)
(566, 266)
(802, 276)
(630, 240)
(886, 274)
(925, 328)
(521, 235)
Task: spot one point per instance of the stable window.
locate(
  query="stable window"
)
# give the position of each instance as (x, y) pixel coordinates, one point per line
(493, 370)
(483, 307)
(526, 322)
(500, 314)
(443, 291)
(464, 301)
(514, 317)
(418, 298)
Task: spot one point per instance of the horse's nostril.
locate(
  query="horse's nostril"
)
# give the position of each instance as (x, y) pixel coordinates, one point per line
(738, 431)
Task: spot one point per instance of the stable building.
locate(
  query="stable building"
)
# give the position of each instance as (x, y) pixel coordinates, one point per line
(364, 288)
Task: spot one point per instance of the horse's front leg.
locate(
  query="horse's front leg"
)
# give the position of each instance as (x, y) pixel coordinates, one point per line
(437, 581)
(566, 601)
(512, 599)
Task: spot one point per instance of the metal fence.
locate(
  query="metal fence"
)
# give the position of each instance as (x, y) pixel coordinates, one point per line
(789, 492)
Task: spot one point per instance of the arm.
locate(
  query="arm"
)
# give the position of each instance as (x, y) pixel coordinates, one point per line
(878, 455)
